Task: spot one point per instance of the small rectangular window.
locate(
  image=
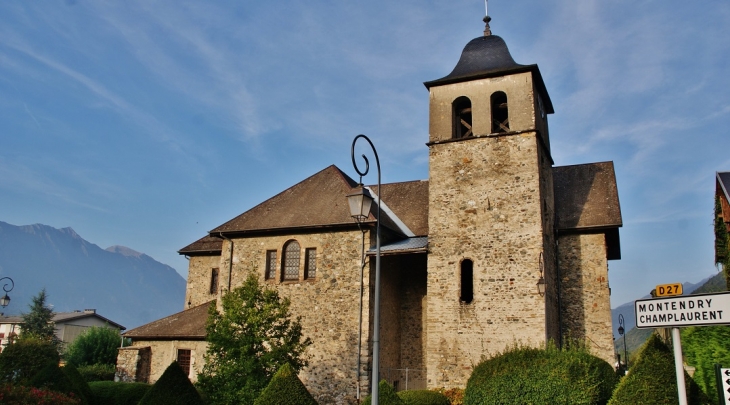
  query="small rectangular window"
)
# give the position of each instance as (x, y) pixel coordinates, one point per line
(214, 281)
(183, 359)
(310, 262)
(270, 265)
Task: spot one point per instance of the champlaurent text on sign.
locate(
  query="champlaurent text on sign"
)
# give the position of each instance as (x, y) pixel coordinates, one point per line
(688, 310)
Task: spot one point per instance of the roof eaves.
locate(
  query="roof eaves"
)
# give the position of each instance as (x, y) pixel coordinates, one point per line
(722, 184)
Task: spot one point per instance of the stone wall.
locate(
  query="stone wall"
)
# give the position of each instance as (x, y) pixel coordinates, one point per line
(485, 205)
(146, 360)
(133, 364)
(328, 304)
(586, 304)
(197, 291)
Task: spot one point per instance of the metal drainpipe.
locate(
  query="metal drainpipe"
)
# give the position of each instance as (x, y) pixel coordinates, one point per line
(230, 261)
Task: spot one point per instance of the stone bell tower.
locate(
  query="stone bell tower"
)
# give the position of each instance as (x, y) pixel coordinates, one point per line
(491, 212)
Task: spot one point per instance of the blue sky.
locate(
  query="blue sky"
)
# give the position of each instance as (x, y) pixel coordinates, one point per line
(146, 124)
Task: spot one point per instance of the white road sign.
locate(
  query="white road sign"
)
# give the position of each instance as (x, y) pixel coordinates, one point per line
(725, 375)
(688, 310)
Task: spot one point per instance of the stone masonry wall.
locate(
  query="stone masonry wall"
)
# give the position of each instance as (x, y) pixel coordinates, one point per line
(485, 206)
(328, 305)
(161, 354)
(133, 364)
(586, 304)
(197, 291)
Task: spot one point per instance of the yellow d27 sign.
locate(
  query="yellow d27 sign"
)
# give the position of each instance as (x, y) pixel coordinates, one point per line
(668, 290)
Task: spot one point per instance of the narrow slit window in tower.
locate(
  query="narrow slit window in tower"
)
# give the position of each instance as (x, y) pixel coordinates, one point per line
(500, 114)
(214, 281)
(467, 281)
(462, 118)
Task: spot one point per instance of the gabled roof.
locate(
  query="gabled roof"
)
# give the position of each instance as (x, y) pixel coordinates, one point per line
(65, 317)
(723, 180)
(206, 245)
(409, 202)
(315, 202)
(586, 197)
(186, 325)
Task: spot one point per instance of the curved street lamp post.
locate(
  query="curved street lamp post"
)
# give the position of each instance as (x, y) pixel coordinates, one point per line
(5, 299)
(621, 332)
(360, 202)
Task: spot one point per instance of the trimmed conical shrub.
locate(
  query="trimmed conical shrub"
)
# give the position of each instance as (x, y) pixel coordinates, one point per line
(285, 388)
(79, 384)
(652, 379)
(386, 395)
(53, 378)
(173, 388)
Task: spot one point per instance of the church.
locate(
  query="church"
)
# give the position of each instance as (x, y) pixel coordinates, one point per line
(497, 247)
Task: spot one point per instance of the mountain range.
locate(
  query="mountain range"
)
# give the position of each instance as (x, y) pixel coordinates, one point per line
(123, 285)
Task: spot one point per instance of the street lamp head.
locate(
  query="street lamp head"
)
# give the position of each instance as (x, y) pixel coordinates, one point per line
(621, 330)
(541, 286)
(4, 301)
(360, 202)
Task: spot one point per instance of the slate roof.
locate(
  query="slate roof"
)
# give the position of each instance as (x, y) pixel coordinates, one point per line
(318, 201)
(186, 325)
(409, 202)
(586, 197)
(723, 179)
(206, 245)
(488, 56)
(410, 245)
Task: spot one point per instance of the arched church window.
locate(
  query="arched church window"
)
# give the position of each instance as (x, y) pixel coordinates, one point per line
(462, 118)
(467, 281)
(290, 261)
(500, 113)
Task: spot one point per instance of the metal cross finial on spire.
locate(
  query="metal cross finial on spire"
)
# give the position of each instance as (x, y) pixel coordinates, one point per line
(487, 19)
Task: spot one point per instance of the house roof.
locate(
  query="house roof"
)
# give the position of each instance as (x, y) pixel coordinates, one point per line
(206, 245)
(723, 179)
(316, 201)
(65, 317)
(187, 325)
(409, 202)
(586, 197)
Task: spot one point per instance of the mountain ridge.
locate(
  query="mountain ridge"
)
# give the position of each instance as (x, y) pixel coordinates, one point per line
(126, 286)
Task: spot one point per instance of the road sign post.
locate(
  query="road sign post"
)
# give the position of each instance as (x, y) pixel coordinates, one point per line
(723, 384)
(681, 311)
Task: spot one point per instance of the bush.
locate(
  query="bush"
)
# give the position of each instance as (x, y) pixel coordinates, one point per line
(172, 388)
(386, 395)
(423, 397)
(652, 379)
(52, 378)
(20, 361)
(80, 386)
(541, 376)
(97, 345)
(285, 388)
(17, 394)
(454, 395)
(114, 393)
(97, 372)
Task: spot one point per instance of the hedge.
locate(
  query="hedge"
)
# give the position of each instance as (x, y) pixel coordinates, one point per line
(54, 379)
(79, 384)
(423, 397)
(541, 376)
(97, 372)
(20, 361)
(118, 393)
(653, 380)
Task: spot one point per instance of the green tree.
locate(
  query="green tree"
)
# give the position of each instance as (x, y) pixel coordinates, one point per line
(20, 361)
(97, 345)
(248, 342)
(39, 321)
